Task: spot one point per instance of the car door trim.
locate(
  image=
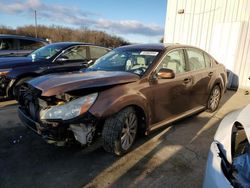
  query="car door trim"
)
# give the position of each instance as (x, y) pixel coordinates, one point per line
(183, 115)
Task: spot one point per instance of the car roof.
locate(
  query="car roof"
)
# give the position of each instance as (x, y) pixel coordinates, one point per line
(155, 46)
(68, 44)
(22, 37)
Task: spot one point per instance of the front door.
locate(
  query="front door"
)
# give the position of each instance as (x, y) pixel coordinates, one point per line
(171, 96)
(73, 59)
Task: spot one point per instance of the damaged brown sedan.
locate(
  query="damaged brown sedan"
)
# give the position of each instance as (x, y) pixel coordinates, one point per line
(132, 89)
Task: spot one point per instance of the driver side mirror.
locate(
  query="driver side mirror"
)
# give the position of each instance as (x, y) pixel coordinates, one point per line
(62, 59)
(166, 73)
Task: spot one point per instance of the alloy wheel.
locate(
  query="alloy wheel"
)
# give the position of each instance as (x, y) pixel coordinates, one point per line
(214, 98)
(129, 131)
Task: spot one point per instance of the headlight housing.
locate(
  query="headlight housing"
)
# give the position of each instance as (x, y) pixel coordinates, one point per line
(69, 110)
(4, 72)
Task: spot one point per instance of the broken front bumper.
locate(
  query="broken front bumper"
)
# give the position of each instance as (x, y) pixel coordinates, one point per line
(28, 122)
(81, 129)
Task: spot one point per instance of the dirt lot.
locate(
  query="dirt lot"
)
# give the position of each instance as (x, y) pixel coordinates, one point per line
(173, 157)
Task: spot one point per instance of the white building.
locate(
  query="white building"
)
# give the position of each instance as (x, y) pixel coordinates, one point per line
(220, 27)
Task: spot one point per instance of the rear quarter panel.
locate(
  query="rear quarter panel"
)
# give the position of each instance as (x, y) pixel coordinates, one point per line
(220, 77)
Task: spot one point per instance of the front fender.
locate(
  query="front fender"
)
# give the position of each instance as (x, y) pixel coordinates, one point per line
(113, 101)
(22, 72)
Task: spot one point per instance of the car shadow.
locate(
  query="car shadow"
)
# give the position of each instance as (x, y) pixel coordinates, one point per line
(27, 161)
(174, 156)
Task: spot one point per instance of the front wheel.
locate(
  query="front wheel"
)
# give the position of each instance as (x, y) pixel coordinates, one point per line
(18, 85)
(119, 131)
(214, 99)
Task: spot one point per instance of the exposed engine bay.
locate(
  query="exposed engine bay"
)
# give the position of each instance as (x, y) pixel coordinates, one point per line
(56, 130)
(241, 157)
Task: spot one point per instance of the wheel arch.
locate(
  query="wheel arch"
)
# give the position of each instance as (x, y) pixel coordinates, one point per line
(18, 78)
(220, 82)
(138, 102)
(141, 115)
(25, 75)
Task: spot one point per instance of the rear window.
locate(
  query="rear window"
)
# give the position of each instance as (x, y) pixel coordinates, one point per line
(96, 52)
(207, 60)
(196, 59)
(29, 45)
(7, 44)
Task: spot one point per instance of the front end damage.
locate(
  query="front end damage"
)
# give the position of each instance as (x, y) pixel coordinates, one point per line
(228, 163)
(55, 130)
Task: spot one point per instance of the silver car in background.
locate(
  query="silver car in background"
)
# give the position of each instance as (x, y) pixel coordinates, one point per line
(228, 163)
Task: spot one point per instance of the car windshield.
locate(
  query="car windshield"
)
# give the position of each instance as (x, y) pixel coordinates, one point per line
(135, 61)
(46, 52)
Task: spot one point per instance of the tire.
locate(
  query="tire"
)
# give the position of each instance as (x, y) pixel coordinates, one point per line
(17, 86)
(119, 131)
(214, 99)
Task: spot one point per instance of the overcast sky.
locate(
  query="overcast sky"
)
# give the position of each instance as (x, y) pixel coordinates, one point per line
(134, 20)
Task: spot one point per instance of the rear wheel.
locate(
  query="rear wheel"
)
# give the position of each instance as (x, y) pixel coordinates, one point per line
(214, 99)
(119, 131)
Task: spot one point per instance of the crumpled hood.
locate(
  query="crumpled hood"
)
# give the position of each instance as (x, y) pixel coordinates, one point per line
(224, 132)
(55, 84)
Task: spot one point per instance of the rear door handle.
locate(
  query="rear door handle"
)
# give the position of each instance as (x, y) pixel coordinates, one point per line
(210, 74)
(187, 80)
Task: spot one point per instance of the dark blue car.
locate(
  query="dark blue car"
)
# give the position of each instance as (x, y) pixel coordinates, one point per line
(53, 58)
(16, 45)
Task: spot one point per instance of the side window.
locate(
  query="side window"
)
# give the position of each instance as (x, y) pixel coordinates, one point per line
(7, 44)
(207, 60)
(29, 45)
(96, 52)
(195, 59)
(76, 53)
(175, 61)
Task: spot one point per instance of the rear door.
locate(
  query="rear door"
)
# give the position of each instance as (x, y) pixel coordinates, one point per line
(96, 52)
(199, 65)
(171, 96)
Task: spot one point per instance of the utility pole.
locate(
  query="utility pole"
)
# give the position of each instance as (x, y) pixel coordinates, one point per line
(35, 24)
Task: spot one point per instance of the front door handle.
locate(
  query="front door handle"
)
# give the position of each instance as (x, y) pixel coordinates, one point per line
(210, 74)
(44, 68)
(186, 80)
